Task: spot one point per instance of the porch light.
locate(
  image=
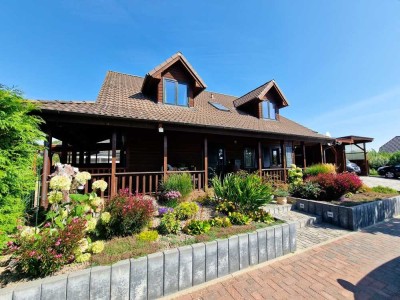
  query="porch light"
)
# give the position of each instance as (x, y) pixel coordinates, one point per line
(160, 128)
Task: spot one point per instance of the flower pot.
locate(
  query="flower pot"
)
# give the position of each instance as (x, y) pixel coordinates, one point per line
(281, 200)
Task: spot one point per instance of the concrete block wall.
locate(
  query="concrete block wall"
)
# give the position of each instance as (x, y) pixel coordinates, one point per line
(353, 218)
(163, 273)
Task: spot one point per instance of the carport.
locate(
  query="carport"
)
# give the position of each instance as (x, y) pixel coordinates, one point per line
(357, 154)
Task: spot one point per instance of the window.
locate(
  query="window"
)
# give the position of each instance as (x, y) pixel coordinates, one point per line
(218, 106)
(268, 110)
(175, 93)
(276, 157)
(249, 158)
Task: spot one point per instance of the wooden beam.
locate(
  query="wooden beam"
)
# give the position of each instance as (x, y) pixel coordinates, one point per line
(322, 153)
(165, 164)
(46, 171)
(113, 163)
(303, 146)
(259, 159)
(205, 164)
(366, 161)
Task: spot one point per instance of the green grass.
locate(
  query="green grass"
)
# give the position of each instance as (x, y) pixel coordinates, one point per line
(384, 190)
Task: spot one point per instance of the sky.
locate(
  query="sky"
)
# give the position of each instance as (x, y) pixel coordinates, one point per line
(337, 61)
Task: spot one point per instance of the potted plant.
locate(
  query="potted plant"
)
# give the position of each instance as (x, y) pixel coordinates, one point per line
(281, 196)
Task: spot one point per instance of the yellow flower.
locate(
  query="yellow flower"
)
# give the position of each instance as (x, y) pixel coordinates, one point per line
(97, 201)
(99, 185)
(61, 183)
(97, 247)
(91, 225)
(83, 257)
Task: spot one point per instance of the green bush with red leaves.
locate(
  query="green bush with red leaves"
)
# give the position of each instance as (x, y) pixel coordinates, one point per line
(336, 185)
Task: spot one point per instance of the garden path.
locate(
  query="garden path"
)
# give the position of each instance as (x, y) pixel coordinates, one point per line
(360, 265)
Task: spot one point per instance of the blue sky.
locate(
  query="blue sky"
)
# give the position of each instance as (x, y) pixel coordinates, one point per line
(338, 61)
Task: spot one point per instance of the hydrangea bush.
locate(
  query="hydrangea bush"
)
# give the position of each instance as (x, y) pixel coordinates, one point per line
(65, 235)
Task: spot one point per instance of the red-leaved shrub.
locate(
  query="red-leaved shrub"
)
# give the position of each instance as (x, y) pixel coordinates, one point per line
(129, 214)
(336, 185)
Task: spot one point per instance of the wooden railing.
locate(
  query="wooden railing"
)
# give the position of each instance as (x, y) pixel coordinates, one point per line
(198, 178)
(100, 170)
(275, 175)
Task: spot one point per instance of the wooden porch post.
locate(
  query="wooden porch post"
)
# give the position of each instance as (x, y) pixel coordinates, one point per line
(46, 170)
(64, 153)
(259, 159)
(113, 163)
(283, 160)
(304, 155)
(165, 164)
(205, 164)
(322, 153)
(366, 161)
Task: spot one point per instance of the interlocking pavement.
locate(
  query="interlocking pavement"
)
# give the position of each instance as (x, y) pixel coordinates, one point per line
(361, 265)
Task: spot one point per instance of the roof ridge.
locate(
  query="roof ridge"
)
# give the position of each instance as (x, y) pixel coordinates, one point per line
(122, 73)
(218, 93)
(64, 101)
(255, 88)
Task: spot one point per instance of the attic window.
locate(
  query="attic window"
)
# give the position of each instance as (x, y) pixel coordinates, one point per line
(268, 110)
(175, 93)
(219, 106)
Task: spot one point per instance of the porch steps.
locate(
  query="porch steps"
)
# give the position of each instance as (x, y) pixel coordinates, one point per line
(285, 213)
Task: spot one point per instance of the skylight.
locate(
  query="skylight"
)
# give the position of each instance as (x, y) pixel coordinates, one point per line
(219, 106)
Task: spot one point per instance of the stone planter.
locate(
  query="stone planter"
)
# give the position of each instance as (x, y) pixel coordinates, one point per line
(353, 218)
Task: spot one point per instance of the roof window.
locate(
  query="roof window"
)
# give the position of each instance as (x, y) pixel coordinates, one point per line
(219, 106)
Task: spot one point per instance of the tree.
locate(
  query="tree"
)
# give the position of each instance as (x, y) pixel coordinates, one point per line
(19, 143)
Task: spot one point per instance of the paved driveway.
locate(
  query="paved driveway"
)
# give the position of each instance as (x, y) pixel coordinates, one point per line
(361, 265)
(374, 181)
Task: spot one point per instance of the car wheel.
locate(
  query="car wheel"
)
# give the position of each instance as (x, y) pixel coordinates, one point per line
(389, 174)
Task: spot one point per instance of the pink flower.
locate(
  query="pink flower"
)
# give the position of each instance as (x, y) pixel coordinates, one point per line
(32, 253)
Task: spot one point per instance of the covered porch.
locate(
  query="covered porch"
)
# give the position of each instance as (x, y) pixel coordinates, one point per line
(140, 157)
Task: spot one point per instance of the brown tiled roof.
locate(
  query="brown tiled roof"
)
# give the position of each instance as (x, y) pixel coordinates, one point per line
(121, 97)
(260, 92)
(168, 62)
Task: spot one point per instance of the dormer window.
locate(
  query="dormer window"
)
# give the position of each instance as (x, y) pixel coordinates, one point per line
(268, 110)
(175, 93)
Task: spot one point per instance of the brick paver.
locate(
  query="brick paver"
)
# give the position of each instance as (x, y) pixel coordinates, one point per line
(317, 233)
(364, 265)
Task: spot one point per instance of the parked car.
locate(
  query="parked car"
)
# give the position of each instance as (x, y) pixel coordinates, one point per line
(389, 171)
(352, 167)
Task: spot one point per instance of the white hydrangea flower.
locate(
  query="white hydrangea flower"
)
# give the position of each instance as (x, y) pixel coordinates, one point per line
(82, 177)
(28, 232)
(91, 225)
(99, 185)
(61, 183)
(55, 197)
(105, 217)
(97, 201)
(83, 245)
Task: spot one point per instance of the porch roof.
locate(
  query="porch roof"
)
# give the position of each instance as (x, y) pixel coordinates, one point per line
(120, 97)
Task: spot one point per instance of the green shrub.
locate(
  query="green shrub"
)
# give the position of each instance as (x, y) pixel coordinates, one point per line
(384, 190)
(262, 216)
(169, 224)
(247, 191)
(378, 159)
(220, 222)
(225, 207)
(147, 236)
(373, 172)
(19, 137)
(196, 227)
(395, 158)
(316, 169)
(238, 218)
(186, 210)
(307, 190)
(181, 182)
(295, 175)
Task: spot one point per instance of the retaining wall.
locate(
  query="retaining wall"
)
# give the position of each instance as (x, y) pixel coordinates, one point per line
(163, 273)
(353, 218)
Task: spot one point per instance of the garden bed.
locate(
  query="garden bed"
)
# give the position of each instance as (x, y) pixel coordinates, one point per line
(354, 217)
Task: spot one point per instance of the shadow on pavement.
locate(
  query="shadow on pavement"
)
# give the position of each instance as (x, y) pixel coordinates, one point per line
(391, 227)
